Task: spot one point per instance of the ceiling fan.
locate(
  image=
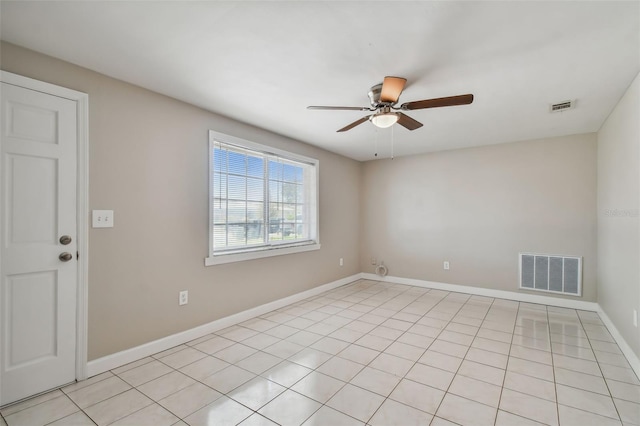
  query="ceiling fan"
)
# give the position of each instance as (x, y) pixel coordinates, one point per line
(384, 97)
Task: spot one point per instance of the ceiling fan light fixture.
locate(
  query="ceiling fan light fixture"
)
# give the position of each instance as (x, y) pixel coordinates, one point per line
(385, 96)
(385, 119)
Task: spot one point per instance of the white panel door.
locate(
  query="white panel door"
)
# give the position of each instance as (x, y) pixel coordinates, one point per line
(38, 208)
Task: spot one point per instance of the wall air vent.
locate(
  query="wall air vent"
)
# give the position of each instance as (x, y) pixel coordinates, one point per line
(561, 106)
(551, 273)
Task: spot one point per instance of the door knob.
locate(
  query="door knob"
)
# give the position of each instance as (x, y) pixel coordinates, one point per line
(65, 239)
(66, 256)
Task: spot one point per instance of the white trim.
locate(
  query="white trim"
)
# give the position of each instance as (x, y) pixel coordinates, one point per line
(479, 291)
(110, 362)
(258, 254)
(121, 358)
(271, 249)
(631, 356)
(41, 86)
(622, 344)
(82, 218)
(82, 206)
(265, 149)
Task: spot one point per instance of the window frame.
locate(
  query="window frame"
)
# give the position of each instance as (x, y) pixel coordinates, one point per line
(277, 249)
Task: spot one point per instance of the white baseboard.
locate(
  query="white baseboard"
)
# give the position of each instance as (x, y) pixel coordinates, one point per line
(622, 344)
(118, 359)
(110, 362)
(631, 356)
(479, 291)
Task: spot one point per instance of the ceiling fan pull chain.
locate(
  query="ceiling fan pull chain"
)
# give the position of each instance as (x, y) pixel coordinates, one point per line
(376, 143)
(392, 141)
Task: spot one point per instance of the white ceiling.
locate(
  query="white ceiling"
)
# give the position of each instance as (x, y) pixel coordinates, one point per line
(263, 62)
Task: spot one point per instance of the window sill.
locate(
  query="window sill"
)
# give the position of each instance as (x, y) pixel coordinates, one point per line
(258, 254)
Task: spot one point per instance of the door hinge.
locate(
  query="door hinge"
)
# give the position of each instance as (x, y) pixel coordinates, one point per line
(77, 255)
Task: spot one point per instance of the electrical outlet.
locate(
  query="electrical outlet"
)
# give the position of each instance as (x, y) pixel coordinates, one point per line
(374, 261)
(635, 318)
(341, 262)
(184, 297)
(446, 265)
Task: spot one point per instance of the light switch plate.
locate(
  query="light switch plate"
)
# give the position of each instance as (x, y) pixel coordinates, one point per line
(102, 219)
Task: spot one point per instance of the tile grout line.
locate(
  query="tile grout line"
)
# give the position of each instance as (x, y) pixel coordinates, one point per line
(553, 367)
(469, 347)
(152, 358)
(415, 362)
(504, 379)
(364, 366)
(599, 368)
(425, 350)
(379, 295)
(508, 359)
(82, 410)
(314, 369)
(449, 322)
(376, 307)
(465, 354)
(63, 394)
(381, 352)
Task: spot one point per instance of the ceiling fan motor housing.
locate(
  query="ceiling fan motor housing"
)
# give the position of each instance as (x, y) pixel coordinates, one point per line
(374, 95)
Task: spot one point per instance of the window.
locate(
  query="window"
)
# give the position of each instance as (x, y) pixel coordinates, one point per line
(263, 201)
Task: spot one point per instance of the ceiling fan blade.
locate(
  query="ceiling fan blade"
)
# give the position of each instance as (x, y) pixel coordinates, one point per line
(391, 89)
(408, 122)
(354, 124)
(341, 108)
(438, 102)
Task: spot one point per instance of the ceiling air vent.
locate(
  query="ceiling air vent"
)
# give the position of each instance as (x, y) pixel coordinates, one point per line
(561, 106)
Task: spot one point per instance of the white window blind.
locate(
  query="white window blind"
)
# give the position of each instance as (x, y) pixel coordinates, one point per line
(260, 199)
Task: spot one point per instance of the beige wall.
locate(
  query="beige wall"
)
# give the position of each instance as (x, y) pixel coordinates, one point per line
(478, 208)
(148, 162)
(618, 220)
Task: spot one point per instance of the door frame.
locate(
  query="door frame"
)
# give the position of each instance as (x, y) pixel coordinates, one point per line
(82, 204)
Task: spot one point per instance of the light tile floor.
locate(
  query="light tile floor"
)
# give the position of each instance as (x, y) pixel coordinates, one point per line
(368, 353)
